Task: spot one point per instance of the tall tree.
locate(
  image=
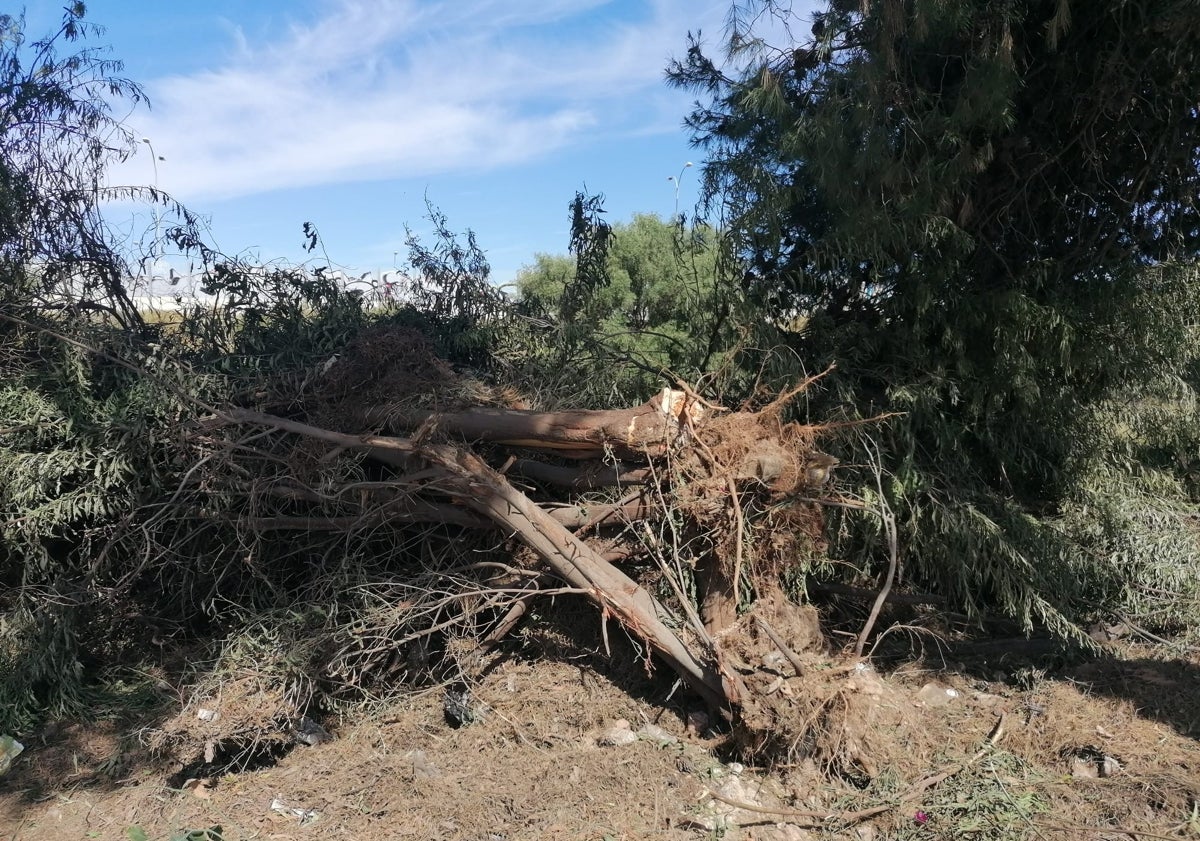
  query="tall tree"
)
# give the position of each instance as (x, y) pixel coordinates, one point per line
(657, 301)
(57, 137)
(988, 213)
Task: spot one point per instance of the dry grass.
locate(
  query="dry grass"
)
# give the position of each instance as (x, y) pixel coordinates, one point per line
(846, 738)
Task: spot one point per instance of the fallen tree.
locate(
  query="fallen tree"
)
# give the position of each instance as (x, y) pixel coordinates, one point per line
(675, 481)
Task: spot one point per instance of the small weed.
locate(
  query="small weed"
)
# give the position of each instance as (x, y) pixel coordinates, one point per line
(992, 800)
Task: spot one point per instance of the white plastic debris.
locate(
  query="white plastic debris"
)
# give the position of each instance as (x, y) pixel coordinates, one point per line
(10, 749)
(305, 816)
(654, 733)
(936, 695)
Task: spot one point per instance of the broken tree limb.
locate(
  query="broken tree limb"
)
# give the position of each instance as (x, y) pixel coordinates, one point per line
(515, 613)
(580, 566)
(374, 443)
(586, 516)
(579, 478)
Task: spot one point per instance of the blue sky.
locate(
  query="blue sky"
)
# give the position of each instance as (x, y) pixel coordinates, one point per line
(347, 113)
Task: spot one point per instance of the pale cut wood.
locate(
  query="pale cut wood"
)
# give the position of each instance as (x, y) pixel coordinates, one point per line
(649, 430)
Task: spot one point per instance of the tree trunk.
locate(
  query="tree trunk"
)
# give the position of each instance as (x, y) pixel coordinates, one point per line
(644, 431)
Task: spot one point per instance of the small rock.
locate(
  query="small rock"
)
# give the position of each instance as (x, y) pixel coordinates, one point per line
(10, 749)
(199, 788)
(987, 700)
(460, 708)
(309, 732)
(1089, 762)
(727, 815)
(617, 736)
(935, 695)
(654, 733)
(205, 714)
(421, 766)
(736, 768)
(775, 661)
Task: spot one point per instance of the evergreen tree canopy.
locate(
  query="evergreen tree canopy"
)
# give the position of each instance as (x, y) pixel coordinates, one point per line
(657, 301)
(987, 212)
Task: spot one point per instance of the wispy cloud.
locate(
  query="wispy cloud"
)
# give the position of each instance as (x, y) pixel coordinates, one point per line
(377, 89)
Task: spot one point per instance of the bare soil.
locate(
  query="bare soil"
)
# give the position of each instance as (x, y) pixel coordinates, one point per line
(978, 748)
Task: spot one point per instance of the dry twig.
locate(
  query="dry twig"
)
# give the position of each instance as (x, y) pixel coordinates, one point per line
(889, 528)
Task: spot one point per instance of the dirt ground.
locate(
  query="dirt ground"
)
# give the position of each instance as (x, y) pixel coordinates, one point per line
(993, 745)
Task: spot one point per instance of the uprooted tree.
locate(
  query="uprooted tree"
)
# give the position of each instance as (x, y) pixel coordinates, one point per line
(678, 461)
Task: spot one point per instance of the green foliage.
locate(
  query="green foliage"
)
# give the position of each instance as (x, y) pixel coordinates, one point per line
(591, 241)
(123, 501)
(450, 297)
(986, 215)
(57, 135)
(663, 306)
(107, 529)
(996, 799)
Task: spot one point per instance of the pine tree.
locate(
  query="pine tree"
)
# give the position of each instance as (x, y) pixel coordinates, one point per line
(986, 211)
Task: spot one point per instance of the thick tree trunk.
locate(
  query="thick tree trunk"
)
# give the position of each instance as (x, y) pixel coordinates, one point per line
(644, 431)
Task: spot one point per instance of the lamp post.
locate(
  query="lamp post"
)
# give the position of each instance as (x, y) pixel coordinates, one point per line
(676, 179)
(154, 159)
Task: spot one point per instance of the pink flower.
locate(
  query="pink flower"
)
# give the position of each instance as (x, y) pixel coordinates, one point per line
(921, 818)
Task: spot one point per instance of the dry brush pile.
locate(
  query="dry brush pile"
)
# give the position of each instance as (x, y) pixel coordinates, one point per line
(670, 517)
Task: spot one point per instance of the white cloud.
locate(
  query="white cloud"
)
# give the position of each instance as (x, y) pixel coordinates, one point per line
(396, 88)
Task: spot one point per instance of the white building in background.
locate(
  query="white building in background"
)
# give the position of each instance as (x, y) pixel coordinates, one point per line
(174, 292)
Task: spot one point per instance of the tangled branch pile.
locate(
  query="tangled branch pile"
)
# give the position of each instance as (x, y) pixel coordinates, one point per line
(636, 509)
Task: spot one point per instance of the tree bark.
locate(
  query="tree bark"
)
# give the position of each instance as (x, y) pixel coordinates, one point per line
(644, 431)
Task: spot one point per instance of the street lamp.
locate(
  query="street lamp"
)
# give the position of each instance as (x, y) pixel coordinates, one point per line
(154, 159)
(676, 179)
